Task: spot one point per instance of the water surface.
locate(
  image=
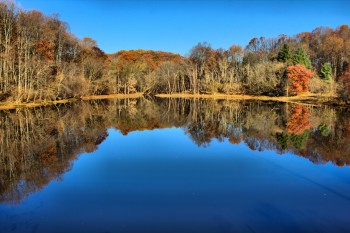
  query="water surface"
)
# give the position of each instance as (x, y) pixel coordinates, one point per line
(175, 166)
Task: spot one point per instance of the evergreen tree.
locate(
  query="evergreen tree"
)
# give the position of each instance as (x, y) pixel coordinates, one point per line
(326, 72)
(284, 54)
(300, 57)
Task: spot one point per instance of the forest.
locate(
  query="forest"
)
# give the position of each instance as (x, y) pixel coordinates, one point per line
(40, 59)
(38, 145)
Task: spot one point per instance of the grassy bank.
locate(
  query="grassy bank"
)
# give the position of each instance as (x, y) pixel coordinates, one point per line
(306, 98)
(14, 105)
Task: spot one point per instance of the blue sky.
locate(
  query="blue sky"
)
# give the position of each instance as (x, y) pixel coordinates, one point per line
(178, 25)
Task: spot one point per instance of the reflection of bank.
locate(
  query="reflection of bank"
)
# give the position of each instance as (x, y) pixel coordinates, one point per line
(38, 145)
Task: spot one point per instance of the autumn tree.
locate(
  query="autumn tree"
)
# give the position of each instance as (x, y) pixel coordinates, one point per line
(344, 89)
(202, 56)
(264, 79)
(168, 78)
(333, 46)
(298, 79)
(234, 75)
(256, 51)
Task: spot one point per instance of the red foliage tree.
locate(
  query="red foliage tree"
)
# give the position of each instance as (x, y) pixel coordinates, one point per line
(298, 78)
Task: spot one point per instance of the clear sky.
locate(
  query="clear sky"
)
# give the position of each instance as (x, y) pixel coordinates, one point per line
(178, 25)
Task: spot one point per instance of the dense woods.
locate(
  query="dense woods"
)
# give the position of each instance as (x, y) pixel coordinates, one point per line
(40, 144)
(41, 60)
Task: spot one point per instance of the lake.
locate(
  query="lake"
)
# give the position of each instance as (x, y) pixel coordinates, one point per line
(175, 165)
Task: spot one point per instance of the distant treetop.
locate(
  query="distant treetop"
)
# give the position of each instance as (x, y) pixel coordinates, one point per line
(150, 57)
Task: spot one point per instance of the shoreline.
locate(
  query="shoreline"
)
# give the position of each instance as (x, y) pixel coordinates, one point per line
(309, 99)
(14, 105)
(306, 98)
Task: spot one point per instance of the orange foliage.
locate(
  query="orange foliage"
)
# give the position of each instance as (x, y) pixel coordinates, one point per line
(235, 140)
(298, 77)
(150, 57)
(236, 49)
(236, 52)
(49, 156)
(89, 42)
(304, 36)
(298, 121)
(333, 45)
(46, 49)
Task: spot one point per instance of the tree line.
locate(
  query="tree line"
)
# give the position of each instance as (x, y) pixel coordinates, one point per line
(41, 60)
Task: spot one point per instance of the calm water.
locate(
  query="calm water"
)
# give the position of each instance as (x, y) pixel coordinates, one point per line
(175, 166)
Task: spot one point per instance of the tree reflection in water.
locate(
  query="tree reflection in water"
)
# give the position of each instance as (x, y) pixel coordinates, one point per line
(38, 145)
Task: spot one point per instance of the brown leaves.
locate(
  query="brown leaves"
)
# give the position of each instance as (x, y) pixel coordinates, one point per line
(149, 57)
(46, 49)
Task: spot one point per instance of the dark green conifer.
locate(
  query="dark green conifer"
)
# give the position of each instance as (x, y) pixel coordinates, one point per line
(284, 54)
(300, 57)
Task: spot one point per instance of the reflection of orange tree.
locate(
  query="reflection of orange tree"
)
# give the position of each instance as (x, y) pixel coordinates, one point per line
(298, 121)
(298, 126)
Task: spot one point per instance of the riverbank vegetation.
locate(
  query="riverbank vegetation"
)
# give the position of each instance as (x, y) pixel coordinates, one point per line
(41, 60)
